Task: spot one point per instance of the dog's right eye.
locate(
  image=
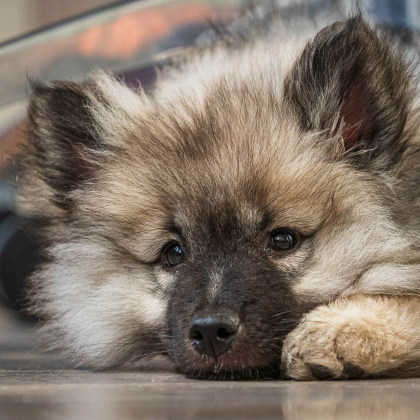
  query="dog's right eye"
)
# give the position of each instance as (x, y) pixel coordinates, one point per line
(173, 255)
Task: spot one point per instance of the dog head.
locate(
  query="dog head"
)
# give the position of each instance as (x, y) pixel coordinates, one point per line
(205, 222)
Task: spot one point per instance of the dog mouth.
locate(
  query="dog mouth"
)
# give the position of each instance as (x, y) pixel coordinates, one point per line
(243, 363)
(244, 373)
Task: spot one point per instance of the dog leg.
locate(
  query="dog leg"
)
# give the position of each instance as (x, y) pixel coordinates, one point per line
(356, 337)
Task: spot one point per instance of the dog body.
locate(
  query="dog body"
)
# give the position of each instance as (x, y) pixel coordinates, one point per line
(259, 207)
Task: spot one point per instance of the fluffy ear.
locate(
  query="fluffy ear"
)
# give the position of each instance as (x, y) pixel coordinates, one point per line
(73, 129)
(351, 82)
(63, 135)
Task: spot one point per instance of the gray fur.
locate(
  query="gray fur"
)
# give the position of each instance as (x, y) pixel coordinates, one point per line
(293, 125)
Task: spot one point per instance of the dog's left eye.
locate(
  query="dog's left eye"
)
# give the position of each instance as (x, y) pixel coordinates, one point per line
(173, 255)
(283, 240)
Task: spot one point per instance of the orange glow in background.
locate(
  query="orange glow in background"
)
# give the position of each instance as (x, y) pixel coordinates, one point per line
(125, 37)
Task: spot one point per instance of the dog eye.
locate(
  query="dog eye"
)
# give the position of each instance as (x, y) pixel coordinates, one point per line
(283, 240)
(173, 255)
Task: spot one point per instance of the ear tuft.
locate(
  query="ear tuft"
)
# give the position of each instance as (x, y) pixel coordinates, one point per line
(351, 82)
(61, 134)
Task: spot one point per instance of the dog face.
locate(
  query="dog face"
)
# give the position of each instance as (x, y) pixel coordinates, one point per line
(206, 224)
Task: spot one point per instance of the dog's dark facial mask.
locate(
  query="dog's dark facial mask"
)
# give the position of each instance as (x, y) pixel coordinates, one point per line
(230, 305)
(207, 227)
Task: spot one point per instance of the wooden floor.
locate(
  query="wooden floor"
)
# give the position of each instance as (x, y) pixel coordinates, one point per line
(35, 386)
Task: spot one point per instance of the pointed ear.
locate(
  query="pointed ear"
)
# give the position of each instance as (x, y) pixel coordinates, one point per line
(351, 82)
(63, 135)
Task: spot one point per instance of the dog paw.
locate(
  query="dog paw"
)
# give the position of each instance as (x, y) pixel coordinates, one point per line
(339, 342)
(349, 371)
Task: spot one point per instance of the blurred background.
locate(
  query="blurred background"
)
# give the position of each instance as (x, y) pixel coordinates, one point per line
(67, 39)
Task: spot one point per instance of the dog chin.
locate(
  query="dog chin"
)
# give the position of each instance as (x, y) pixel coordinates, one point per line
(246, 373)
(231, 366)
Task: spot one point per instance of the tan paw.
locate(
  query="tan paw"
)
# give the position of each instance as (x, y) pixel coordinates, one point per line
(340, 341)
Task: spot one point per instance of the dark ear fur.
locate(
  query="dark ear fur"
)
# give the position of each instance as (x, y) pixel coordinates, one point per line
(348, 80)
(61, 132)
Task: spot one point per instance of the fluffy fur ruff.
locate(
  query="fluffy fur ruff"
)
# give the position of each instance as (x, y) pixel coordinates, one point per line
(289, 118)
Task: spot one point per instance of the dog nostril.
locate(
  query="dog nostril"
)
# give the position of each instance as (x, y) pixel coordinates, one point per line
(196, 335)
(224, 334)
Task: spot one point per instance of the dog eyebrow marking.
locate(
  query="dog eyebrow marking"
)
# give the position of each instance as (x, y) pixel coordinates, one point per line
(172, 227)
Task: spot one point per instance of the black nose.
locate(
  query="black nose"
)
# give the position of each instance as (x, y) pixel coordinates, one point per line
(213, 334)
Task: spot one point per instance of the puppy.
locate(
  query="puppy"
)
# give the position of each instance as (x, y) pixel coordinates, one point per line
(258, 211)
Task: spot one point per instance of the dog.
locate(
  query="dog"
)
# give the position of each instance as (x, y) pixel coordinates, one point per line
(256, 214)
